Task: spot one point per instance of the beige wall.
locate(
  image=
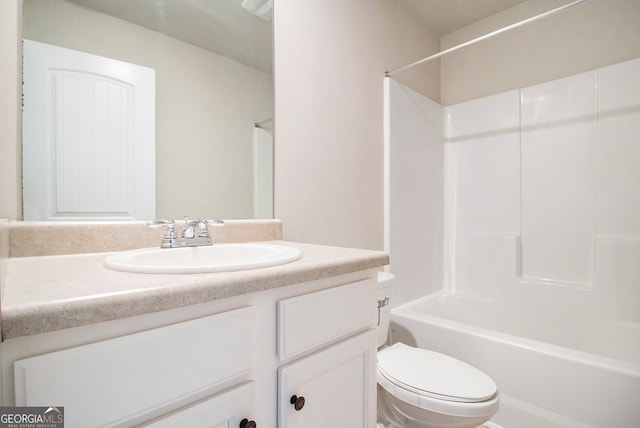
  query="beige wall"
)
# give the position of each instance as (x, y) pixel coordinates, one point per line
(10, 109)
(330, 59)
(206, 107)
(585, 37)
(4, 255)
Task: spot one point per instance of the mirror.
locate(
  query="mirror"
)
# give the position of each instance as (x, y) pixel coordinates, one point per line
(214, 83)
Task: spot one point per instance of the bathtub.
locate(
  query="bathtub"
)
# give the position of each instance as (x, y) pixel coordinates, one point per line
(545, 380)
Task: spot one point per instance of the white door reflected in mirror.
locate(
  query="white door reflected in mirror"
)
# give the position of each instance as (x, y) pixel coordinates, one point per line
(96, 149)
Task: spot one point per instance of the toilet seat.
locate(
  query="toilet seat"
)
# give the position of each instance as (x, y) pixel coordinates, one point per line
(404, 370)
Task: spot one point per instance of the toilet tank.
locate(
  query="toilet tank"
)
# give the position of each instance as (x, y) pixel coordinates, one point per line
(385, 286)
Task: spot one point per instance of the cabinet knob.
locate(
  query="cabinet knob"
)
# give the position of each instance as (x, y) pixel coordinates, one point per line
(298, 402)
(246, 423)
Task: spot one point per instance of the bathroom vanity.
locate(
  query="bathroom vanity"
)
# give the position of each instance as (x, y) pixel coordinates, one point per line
(285, 346)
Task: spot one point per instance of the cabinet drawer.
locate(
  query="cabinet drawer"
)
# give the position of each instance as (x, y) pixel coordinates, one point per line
(138, 374)
(308, 321)
(226, 409)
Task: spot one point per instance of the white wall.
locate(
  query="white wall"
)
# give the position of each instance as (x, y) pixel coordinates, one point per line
(206, 107)
(10, 109)
(590, 35)
(10, 126)
(330, 59)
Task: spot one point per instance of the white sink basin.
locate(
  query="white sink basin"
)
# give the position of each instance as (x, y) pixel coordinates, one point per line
(214, 258)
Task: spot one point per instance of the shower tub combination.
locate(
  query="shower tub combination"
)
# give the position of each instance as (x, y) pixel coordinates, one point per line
(534, 191)
(542, 382)
(540, 274)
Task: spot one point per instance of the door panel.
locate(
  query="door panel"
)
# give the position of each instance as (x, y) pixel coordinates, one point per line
(88, 136)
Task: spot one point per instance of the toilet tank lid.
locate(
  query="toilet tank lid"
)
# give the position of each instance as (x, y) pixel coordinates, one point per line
(432, 373)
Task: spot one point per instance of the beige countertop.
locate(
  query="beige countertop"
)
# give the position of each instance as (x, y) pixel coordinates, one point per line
(48, 293)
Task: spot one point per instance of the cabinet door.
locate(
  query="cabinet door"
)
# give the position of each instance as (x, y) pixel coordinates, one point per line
(336, 384)
(224, 410)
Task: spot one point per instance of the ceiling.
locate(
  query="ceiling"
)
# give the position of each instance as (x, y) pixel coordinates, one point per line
(224, 27)
(444, 16)
(220, 26)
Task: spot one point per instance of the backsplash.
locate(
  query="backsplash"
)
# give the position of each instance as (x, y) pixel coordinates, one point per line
(46, 238)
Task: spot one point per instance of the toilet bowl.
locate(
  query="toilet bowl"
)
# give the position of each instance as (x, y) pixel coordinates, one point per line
(419, 388)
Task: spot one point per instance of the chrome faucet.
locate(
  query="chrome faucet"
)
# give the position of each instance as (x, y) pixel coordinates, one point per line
(195, 232)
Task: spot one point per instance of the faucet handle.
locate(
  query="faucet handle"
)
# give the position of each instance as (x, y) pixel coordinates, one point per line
(170, 234)
(203, 227)
(160, 222)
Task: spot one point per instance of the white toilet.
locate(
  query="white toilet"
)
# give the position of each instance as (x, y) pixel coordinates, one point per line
(418, 388)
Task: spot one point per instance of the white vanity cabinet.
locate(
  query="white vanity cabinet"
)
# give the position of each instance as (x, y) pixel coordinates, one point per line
(232, 362)
(333, 386)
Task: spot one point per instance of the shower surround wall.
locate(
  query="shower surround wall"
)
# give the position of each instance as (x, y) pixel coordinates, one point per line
(541, 190)
(546, 178)
(414, 189)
